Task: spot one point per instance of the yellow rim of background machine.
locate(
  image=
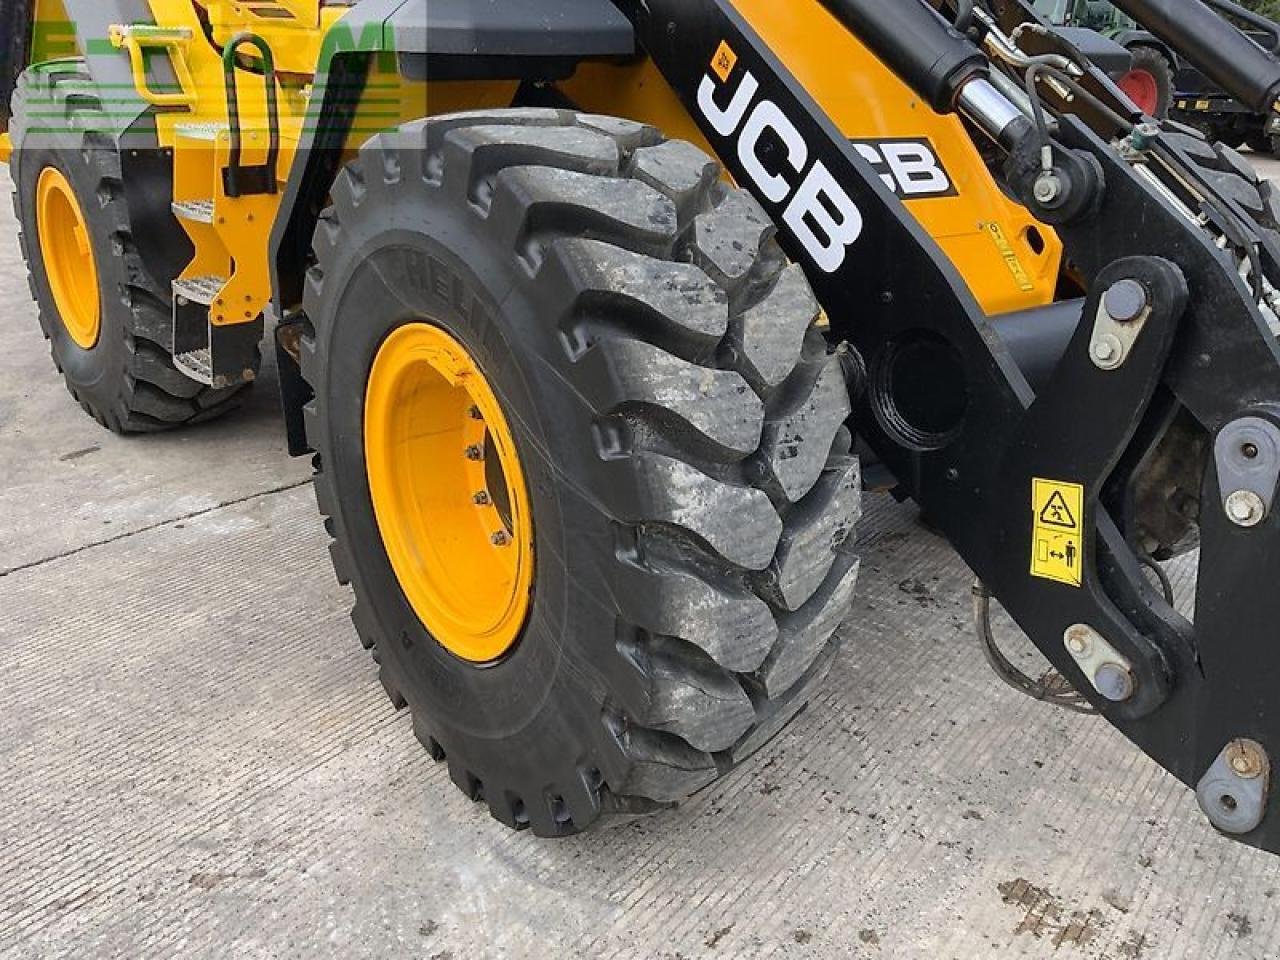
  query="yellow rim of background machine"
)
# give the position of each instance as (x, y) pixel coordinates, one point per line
(67, 253)
(449, 492)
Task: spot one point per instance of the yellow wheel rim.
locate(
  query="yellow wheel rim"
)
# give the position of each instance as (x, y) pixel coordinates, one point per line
(449, 492)
(68, 258)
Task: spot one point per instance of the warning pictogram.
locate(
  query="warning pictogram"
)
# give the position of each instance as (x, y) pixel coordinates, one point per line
(1057, 512)
(1057, 537)
(724, 61)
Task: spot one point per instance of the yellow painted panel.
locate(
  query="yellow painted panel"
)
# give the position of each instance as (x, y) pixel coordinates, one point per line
(867, 101)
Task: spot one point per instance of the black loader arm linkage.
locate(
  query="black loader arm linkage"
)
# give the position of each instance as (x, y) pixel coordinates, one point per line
(1017, 479)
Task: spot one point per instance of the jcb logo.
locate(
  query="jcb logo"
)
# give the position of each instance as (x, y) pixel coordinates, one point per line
(818, 211)
(910, 168)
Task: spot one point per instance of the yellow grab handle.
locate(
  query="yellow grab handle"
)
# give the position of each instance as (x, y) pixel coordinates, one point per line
(173, 39)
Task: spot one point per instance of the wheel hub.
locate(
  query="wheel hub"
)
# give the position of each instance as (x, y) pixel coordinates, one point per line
(449, 492)
(1141, 87)
(68, 258)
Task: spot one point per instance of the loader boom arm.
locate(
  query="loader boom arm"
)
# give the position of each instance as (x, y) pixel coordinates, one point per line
(1024, 483)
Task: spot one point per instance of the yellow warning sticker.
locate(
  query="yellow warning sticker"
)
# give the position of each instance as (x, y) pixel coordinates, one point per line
(1057, 538)
(724, 61)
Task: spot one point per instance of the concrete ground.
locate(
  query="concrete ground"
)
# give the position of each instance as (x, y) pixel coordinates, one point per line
(199, 762)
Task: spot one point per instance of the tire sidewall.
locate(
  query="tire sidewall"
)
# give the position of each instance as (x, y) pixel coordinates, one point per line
(530, 705)
(95, 371)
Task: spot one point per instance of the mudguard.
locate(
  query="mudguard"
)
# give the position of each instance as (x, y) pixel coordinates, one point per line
(436, 40)
(1141, 38)
(1111, 56)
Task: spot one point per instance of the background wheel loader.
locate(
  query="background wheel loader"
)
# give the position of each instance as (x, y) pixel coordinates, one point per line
(587, 310)
(1149, 78)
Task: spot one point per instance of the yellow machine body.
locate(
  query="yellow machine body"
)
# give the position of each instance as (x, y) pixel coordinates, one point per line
(1010, 261)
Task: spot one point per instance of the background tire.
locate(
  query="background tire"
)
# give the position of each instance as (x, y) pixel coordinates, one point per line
(680, 419)
(16, 24)
(126, 380)
(1149, 81)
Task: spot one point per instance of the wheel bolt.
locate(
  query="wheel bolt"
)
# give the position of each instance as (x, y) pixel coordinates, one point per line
(474, 453)
(482, 499)
(500, 539)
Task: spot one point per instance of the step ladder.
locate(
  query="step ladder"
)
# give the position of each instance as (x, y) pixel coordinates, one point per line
(227, 207)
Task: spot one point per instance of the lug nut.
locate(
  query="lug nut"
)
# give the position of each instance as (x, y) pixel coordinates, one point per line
(1114, 682)
(500, 539)
(1245, 508)
(474, 453)
(482, 499)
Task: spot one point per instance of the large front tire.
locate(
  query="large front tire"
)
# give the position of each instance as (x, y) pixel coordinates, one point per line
(678, 420)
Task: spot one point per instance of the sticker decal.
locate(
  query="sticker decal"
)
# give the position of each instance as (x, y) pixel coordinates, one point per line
(777, 160)
(911, 168)
(1020, 276)
(1057, 537)
(724, 61)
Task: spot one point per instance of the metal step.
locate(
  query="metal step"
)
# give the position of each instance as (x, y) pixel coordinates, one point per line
(202, 290)
(198, 365)
(194, 211)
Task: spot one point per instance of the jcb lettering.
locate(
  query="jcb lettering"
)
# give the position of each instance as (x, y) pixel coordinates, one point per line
(818, 211)
(910, 168)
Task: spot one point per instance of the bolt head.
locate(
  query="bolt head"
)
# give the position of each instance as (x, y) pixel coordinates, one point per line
(1245, 760)
(1078, 641)
(1114, 682)
(500, 539)
(1245, 508)
(1047, 188)
(482, 499)
(473, 452)
(1241, 764)
(1107, 352)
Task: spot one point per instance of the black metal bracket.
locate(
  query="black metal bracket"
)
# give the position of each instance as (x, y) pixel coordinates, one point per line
(239, 180)
(951, 415)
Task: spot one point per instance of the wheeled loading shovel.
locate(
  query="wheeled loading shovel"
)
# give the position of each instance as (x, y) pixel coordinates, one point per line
(585, 435)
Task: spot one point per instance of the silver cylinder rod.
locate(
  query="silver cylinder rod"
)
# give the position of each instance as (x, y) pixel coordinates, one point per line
(994, 113)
